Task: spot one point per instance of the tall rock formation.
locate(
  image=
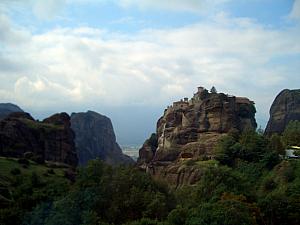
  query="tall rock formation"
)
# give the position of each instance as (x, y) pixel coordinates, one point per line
(95, 138)
(286, 107)
(50, 140)
(189, 129)
(8, 108)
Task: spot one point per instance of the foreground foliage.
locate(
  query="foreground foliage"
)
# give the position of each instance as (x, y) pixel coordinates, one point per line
(251, 184)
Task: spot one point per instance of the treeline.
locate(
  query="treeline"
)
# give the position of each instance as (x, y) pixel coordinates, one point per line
(250, 183)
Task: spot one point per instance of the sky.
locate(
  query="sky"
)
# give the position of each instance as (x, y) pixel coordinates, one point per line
(130, 59)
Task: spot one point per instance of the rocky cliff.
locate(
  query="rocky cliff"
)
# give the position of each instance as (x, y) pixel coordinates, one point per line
(50, 140)
(95, 138)
(286, 107)
(189, 129)
(8, 108)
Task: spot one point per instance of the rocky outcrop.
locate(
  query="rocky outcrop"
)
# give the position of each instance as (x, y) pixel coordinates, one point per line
(95, 138)
(285, 108)
(8, 108)
(50, 140)
(189, 129)
(146, 153)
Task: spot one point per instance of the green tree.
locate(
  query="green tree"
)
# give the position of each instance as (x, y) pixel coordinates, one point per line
(109, 195)
(213, 89)
(228, 212)
(270, 159)
(253, 145)
(178, 216)
(291, 134)
(276, 145)
(217, 180)
(226, 150)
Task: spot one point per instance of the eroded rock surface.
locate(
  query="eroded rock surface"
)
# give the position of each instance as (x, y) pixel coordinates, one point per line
(286, 107)
(95, 138)
(8, 108)
(50, 140)
(189, 129)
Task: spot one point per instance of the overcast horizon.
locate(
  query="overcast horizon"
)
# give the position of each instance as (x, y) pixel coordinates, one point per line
(130, 59)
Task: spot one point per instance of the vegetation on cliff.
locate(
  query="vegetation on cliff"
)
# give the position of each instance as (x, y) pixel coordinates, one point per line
(49, 140)
(24, 184)
(249, 183)
(245, 179)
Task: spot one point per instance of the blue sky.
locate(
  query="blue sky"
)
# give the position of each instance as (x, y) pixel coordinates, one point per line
(131, 16)
(129, 59)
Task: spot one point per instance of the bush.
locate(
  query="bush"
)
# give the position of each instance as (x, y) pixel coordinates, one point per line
(269, 185)
(15, 171)
(177, 216)
(253, 146)
(23, 161)
(50, 171)
(223, 212)
(35, 180)
(70, 175)
(111, 195)
(38, 159)
(226, 150)
(270, 160)
(291, 134)
(276, 145)
(28, 155)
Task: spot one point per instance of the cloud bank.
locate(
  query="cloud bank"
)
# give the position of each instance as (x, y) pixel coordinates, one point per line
(176, 5)
(295, 13)
(72, 66)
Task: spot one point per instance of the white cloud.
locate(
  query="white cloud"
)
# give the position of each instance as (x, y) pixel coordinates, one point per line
(176, 5)
(42, 9)
(48, 9)
(10, 34)
(295, 13)
(90, 66)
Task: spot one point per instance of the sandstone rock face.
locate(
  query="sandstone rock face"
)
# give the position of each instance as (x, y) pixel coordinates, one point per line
(50, 140)
(191, 129)
(95, 138)
(146, 153)
(8, 108)
(286, 107)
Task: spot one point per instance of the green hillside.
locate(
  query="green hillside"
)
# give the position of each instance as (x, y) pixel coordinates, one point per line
(24, 184)
(248, 182)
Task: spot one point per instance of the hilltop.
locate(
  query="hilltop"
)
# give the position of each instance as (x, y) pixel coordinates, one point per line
(190, 129)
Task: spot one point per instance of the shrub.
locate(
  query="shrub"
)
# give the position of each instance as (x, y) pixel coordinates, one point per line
(269, 184)
(50, 171)
(28, 155)
(276, 145)
(38, 159)
(291, 134)
(23, 161)
(15, 171)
